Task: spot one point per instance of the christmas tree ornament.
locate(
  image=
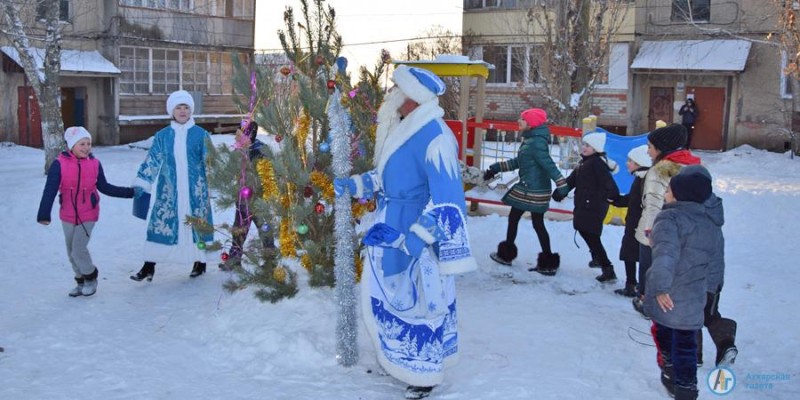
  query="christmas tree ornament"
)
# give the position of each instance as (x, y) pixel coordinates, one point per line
(308, 191)
(245, 192)
(331, 84)
(279, 274)
(362, 201)
(201, 245)
(265, 228)
(371, 206)
(224, 256)
(319, 208)
(285, 71)
(278, 138)
(324, 147)
(302, 229)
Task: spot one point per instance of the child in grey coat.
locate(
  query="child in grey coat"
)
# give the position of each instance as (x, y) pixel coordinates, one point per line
(687, 242)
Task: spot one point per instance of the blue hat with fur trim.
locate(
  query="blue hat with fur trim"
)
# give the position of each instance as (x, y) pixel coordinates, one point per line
(418, 84)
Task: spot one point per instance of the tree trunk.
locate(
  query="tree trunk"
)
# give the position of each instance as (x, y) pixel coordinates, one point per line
(45, 81)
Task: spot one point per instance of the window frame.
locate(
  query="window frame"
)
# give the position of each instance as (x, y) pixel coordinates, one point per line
(681, 12)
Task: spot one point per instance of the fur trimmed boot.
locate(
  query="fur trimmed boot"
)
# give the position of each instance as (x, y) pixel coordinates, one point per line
(90, 283)
(506, 253)
(547, 264)
(78, 290)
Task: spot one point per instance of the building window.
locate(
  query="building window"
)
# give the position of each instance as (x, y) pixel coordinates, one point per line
(475, 4)
(63, 10)
(135, 66)
(691, 10)
(786, 84)
(163, 71)
(512, 64)
(166, 73)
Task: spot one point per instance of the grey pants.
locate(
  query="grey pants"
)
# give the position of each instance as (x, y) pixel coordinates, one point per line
(77, 240)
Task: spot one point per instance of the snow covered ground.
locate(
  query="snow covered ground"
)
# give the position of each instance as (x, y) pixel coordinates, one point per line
(523, 336)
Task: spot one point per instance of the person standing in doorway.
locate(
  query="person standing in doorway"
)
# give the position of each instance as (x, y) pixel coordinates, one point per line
(689, 113)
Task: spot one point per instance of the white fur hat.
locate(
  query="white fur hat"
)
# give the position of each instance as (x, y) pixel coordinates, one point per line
(75, 133)
(639, 156)
(597, 140)
(177, 98)
(418, 84)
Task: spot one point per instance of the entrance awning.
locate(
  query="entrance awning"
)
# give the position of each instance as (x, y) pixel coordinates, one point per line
(692, 55)
(73, 62)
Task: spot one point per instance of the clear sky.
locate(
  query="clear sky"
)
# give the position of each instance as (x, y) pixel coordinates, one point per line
(366, 26)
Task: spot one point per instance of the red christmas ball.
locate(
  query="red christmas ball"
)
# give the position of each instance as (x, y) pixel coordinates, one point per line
(319, 208)
(278, 138)
(224, 256)
(308, 191)
(371, 206)
(331, 84)
(285, 71)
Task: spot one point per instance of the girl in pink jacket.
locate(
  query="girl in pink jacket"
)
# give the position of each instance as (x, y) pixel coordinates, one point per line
(76, 176)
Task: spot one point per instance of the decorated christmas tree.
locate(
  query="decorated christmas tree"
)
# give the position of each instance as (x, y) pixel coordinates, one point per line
(287, 184)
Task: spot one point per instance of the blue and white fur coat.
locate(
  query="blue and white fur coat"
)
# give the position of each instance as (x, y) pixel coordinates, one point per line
(408, 293)
(176, 163)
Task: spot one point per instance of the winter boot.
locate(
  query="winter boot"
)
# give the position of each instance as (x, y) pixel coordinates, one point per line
(684, 393)
(547, 264)
(628, 291)
(506, 253)
(89, 284)
(594, 263)
(418, 392)
(667, 379)
(78, 290)
(147, 272)
(723, 333)
(197, 269)
(607, 275)
(638, 305)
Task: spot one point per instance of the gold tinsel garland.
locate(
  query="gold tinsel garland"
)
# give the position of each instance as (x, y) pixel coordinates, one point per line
(322, 181)
(287, 239)
(279, 274)
(269, 186)
(306, 262)
(303, 127)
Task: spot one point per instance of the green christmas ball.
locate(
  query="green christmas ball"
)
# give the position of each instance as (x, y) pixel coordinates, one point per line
(201, 245)
(302, 229)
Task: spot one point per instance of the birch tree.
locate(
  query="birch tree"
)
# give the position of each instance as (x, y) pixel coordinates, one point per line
(22, 28)
(570, 42)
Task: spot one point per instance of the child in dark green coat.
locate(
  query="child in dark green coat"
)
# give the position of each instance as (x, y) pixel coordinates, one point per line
(532, 192)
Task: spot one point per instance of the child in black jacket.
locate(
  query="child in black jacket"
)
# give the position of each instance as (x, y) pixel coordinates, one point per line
(638, 164)
(594, 190)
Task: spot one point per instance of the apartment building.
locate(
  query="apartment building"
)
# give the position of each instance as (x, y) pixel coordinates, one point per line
(665, 52)
(120, 60)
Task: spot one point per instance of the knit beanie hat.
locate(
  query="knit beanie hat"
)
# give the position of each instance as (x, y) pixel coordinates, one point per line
(177, 98)
(669, 138)
(692, 186)
(534, 117)
(639, 156)
(597, 141)
(75, 133)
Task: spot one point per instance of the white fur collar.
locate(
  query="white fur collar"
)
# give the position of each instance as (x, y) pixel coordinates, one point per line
(185, 126)
(404, 130)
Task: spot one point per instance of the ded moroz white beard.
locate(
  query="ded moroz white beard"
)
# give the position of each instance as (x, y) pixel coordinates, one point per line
(388, 118)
